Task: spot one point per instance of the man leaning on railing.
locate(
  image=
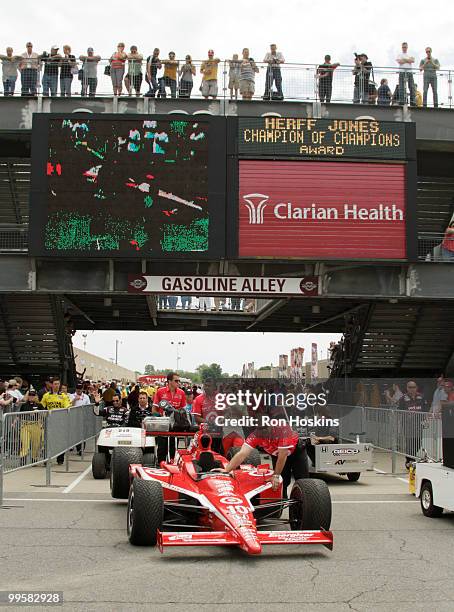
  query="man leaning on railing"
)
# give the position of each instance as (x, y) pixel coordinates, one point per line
(429, 66)
(274, 59)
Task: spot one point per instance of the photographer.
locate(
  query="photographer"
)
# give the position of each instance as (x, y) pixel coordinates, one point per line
(362, 72)
(7, 401)
(273, 73)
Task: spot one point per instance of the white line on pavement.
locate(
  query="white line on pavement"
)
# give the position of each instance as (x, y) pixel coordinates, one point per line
(379, 471)
(75, 482)
(121, 501)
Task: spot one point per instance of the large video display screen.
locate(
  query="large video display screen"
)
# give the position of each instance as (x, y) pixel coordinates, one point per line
(322, 210)
(117, 186)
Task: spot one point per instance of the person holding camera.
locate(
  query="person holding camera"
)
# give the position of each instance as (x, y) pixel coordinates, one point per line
(406, 61)
(362, 72)
(274, 59)
(429, 66)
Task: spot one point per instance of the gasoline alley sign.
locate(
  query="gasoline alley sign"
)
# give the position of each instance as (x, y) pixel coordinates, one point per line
(224, 285)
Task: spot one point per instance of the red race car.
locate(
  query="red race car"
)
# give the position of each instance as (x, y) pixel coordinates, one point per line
(188, 504)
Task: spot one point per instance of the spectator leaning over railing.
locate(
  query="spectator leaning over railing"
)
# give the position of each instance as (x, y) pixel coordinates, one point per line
(325, 74)
(187, 72)
(362, 72)
(54, 400)
(50, 75)
(209, 69)
(10, 65)
(153, 65)
(89, 73)
(133, 80)
(67, 71)
(29, 68)
(169, 79)
(117, 68)
(248, 70)
(429, 66)
(234, 76)
(406, 61)
(274, 59)
(384, 93)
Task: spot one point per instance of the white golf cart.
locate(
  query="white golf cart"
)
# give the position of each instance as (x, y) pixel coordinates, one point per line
(434, 487)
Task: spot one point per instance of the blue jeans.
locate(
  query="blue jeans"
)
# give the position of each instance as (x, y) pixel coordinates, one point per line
(361, 92)
(153, 87)
(185, 302)
(162, 304)
(65, 86)
(404, 77)
(166, 82)
(29, 80)
(446, 254)
(430, 79)
(173, 302)
(50, 83)
(9, 85)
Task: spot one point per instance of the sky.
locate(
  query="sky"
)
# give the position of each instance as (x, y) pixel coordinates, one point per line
(303, 31)
(229, 349)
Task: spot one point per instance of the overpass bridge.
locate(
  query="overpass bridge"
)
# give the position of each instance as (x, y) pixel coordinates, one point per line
(397, 316)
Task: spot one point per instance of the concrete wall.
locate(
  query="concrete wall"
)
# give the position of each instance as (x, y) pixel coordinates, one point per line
(98, 368)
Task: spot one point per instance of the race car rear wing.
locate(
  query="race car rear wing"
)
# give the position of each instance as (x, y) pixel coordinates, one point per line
(227, 538)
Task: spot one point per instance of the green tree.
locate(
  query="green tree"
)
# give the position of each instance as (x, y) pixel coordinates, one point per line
(149, 369)
(213, 370)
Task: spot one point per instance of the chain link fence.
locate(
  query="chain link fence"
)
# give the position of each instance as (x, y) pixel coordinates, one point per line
(31, 438)
(401, 432)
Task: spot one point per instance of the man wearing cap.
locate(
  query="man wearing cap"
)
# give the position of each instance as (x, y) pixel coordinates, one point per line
(79, 398)
(209, 69)
(29, 67)
(31, 428)
(50, 77)
(89, 73)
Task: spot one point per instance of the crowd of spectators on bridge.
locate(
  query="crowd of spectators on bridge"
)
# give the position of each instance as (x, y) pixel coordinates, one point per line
(128, 69)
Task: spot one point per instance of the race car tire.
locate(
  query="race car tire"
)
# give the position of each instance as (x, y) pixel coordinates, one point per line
(99, 466)
(145, 512)
(119, 470)
(254, 457)
(353, 476)
(312, 507)
(149, 460)
(427, 502)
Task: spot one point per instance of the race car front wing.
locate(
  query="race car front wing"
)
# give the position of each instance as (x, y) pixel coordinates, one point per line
(228, 538)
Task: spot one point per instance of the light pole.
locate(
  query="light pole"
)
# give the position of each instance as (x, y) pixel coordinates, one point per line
(177, 346)
(117, 342)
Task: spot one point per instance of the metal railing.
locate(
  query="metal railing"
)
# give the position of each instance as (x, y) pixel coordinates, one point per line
(31, 438)
(14, 238)
(430, 247)
(300, 82)
(186, 303)
(401, 432)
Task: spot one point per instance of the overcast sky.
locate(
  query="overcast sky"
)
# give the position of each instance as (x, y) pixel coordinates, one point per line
(230, 349)
(303, 31)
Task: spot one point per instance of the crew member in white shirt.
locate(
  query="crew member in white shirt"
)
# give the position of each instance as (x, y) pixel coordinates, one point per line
(274, 59)
(406, 61)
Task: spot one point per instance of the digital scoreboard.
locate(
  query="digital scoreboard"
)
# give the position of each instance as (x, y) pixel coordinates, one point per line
(129, 186)
(306, 137)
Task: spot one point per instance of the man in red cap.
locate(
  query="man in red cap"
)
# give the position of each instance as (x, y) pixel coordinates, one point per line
(209, 69)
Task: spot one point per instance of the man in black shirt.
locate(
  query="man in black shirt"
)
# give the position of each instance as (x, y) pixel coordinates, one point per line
(115, 415)
(153, 65)
(413, 401)
(325, 73)
(139, 412)
(50, 77)
(362, 72)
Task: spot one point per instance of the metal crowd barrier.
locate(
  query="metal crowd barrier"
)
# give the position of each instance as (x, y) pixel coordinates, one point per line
(401, 432)
(31, 438)
(300, 82)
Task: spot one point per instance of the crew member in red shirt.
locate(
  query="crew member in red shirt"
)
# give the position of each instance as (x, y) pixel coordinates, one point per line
(288, 454)
(205, 411)
(175, 396)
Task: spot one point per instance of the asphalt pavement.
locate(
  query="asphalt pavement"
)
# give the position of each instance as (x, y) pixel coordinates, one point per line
(72, 537)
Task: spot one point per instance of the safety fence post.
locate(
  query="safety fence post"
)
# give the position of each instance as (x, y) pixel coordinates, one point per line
(46, 446)
(394, 435)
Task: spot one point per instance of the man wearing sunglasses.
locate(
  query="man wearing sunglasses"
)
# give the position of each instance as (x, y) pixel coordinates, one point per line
(176, 397)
